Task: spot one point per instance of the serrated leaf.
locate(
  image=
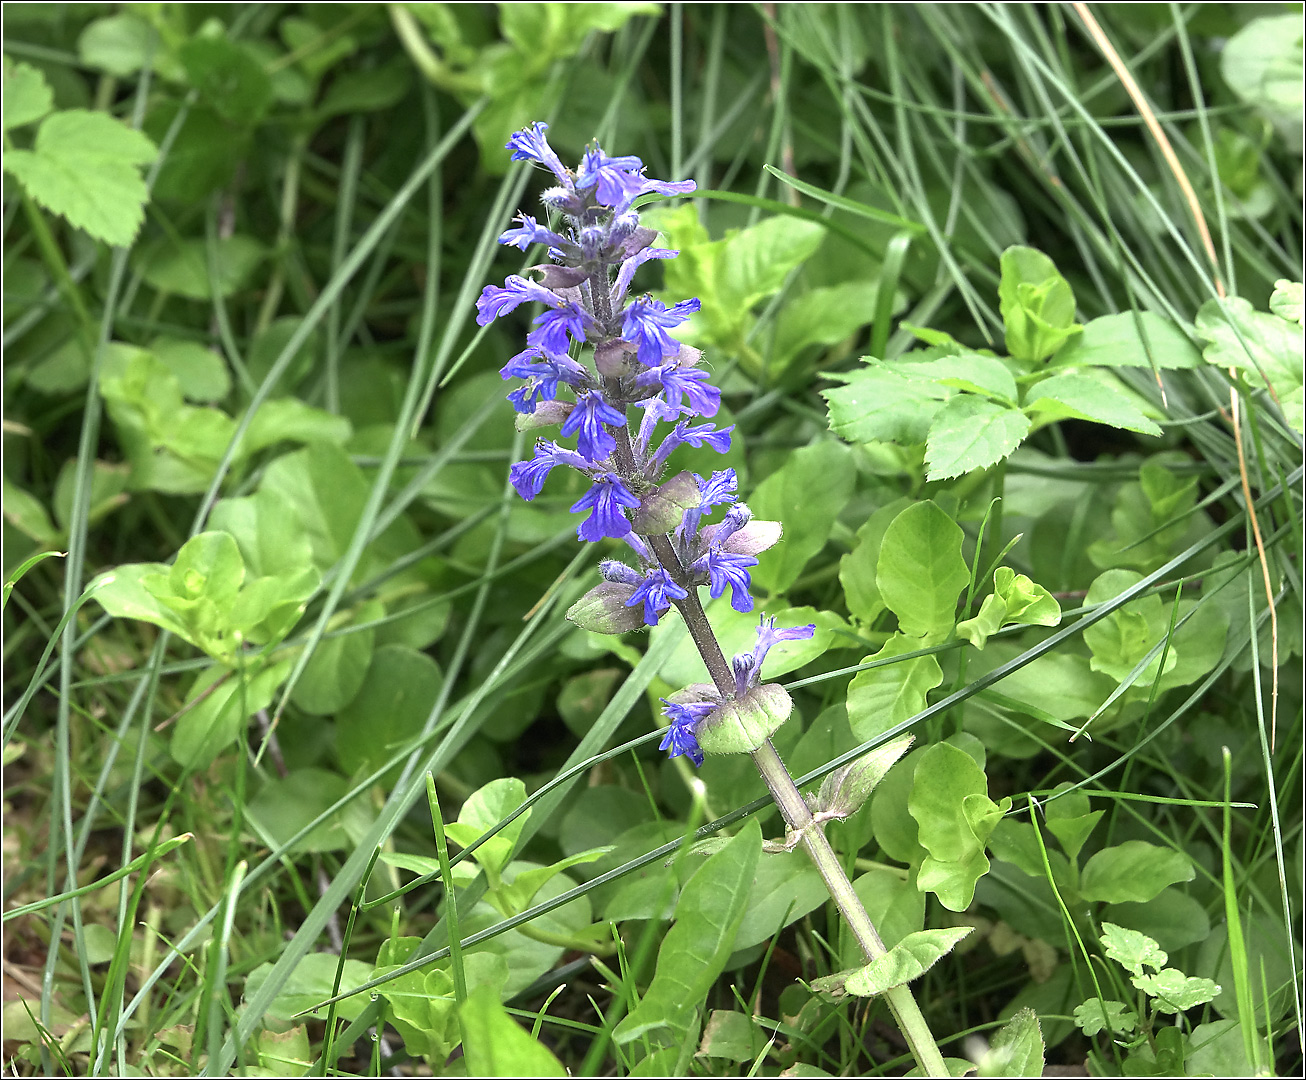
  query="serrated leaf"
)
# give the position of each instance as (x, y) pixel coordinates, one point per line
(1130, 339)
(1131, 949)
(911, 958)
(878, 403)
(1172, 991)
(1288, 302)
(972, 433)
(1085, 397)
(1262, 346)
(969, 371)
(1098, 1015)
(1133, 871)
(27, 96)
(86, 166)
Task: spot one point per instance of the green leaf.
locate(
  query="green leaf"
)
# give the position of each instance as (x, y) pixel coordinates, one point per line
(1070, 820)
(26, 513)
(992, 614)
(217, 708)
(1264, 347)
(741, 725)
(857, 568)
(972, 433)
(955, 818)
(970, 371)
(1172, 918)
(338, 666)
(496, 1045)
(483, 810)
(1087, 397)
(880, 699)
(287, 804)
(391, 707)
(1288, 302)
(845, 790)
(86, 167)
(27, 96)
(1098, 1015)
(921, 571)
(695, 950)
(1130, 339)
(1027, 602)
(1132, 950)
(911, 958)
(756, 260)
(1121, 640)
(1037, 304)
(313, 980)
(1133, 871)
(123, 595)
(808, 494)
(822, 316)
(229, 78)
(1172, 991)
(201, 373)
(1016, 1050)
(120, 44)
(1262, 63)
(182, 267)
(517, 895)
(728, 1035)
(883, 402)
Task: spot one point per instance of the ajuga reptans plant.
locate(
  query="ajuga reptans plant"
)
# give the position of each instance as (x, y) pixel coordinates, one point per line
(635, 394)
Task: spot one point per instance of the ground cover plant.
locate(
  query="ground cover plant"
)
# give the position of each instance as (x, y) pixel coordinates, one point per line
(948, 377)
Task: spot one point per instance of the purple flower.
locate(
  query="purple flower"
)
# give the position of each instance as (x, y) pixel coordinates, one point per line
(647, 322)
(614, 180)
(542, 372)
(680, 738)
(588, 418)
(748, 666)
(616, 570)
(528, 477)
(656, 592)
(552, 328)
(720, 489)
(630, 265)
(696, 437)
(529, 144)
(684, 382)
(531, 232)
(495, 301)
(726, 569)
(605, 500)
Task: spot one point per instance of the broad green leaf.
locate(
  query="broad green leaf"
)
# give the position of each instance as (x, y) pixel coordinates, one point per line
(1217, 1049)
(972, 433)
(496, 1045)
(1172, 918)
(1288, 302)
(483, 810)
(823, 316)
(313, 980)
(86, 166)
(1070, 820)
(881, 698)
(1264, 347)
(955, 817)
(883, 402)
(26, 513)
(1027, 602)
(121, 593)
(728, 1035)
(1016, 842)
(338, 666)
(1172, 991)
(288, 803)
(785, 888)
(921, 571)
(27, 96)
(1098, 1015)
(1262, 63)
(120, 44)
(1016, 1050)
(756, 260)
(911, 958)
(517, 896)
(807, 494)
(351, 92)
(228, 77)
(696, 948)
(268, 532)
(267, 608)
(1132, 950)
(1121, 640)
(894, 828)
(217, 708)
(1130, 339)
(857, 568)
(391, 706)
(182, 267)
(326, 492)
(992, 614)
(895, 906)
(201, 373)
(1037, 304)
(1087, 397)
(1133, 871)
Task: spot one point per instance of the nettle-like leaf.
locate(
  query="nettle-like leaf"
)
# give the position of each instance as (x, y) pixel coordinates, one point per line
(1268, 350)
(1129, 339)
(972, 433)
(1132, 949)
(1105, 1015)
(27, 96)
(1288, 301)
(1172, 991)
(86, 166)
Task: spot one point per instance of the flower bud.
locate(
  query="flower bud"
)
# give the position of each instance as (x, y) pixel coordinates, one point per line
(743, 724)
(662, 510)
(552, 276)
(546, 414)
(603, 609)
(616, 359)
(751, 539)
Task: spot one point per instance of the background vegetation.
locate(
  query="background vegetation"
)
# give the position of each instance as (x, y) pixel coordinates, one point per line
(246, 400)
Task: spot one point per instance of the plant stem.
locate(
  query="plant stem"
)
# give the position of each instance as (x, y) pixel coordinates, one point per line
(798, 817)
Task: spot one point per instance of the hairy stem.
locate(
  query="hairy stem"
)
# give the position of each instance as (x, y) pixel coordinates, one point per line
(798, 817)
